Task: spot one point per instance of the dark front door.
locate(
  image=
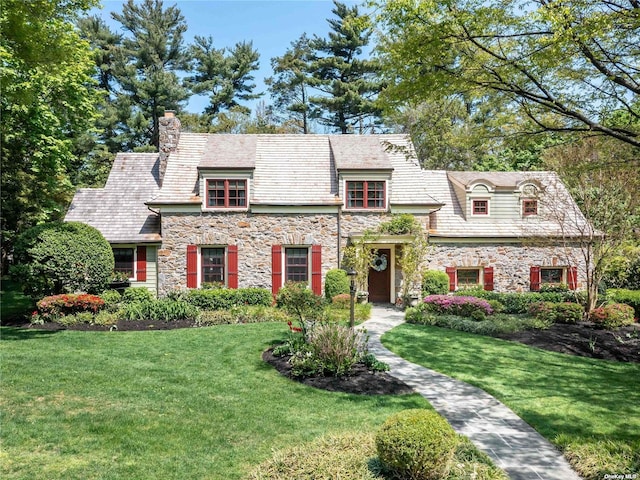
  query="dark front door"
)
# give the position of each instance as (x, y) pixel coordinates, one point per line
(380, 277)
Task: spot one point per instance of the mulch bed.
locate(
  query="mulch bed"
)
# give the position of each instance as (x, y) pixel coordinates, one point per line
(583, 339)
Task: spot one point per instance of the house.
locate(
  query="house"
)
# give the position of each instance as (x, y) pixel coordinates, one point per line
(259, 210)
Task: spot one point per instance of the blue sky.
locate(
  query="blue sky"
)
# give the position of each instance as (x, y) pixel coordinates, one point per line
(271, 24)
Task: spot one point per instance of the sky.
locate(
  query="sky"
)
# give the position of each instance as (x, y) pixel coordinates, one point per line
(270, 24)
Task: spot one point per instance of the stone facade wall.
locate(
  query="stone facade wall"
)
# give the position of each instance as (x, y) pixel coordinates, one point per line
(510, 262)
(254, 234)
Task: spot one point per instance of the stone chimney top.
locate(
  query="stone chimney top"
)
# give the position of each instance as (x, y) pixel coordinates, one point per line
(169, 136)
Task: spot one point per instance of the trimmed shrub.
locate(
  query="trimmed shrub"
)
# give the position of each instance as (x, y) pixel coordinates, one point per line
(519, 302)
(342, 300)
(56, 306)
(463, 306)
(416, 444)
(542, 311)
(62, 257)
(567, 312)
(336, 282)
(613, 316)
(137, 294)
(111, 299)
(629, 297)
(225, 299)
(435, 282)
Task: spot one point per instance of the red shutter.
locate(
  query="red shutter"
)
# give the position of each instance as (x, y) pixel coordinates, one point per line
(141, 264)
(488, 278)
(316, 269)
(534, 279)
(572, 280)
(232, 268)
(451, 271)
(276, 268)
(192, 266)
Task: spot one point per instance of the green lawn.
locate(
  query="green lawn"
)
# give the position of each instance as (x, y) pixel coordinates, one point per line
(180, 404)
(589, 407)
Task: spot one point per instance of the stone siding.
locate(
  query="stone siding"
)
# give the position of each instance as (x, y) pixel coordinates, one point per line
(510, 262)
(254, 234)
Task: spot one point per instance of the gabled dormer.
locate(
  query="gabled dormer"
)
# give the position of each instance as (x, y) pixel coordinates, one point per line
(225, 172)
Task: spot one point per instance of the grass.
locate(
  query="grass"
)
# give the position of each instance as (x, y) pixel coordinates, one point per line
(589, 408)
(190, 403)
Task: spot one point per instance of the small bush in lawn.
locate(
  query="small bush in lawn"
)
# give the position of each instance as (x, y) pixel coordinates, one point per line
(215, 317)
(567, 312)
(416, 444)
(336, 282)
(56, 306)
(613, 316)
(435, 282)
(343, 300)
(68, 320)
(452, 305)
(137, 294)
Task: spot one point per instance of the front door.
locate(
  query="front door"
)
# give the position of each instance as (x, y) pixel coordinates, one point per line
(380, 277)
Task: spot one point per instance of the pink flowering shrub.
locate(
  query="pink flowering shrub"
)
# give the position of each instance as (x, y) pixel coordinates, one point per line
(57, 306)
(457, 305)
(612, 316)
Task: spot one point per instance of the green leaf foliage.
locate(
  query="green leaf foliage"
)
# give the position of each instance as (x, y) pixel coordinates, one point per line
(336, 282)
(63, 257)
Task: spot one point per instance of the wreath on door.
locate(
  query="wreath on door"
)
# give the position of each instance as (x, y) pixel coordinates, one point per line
(379, 263)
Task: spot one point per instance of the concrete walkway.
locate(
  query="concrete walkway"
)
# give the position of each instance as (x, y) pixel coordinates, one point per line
(512, 444)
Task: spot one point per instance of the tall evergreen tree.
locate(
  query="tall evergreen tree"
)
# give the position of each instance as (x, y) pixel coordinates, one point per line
(347, 82)
(153, 53)
(291, 82)
(224, 74)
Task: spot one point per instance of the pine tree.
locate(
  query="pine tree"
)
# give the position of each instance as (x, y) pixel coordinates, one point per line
(224, 74)
(153, 54)
(348, 84)
(291, 82)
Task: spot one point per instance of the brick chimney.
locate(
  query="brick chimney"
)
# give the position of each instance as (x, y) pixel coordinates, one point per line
(168, 138)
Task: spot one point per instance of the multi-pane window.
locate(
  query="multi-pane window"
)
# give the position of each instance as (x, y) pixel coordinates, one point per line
(551, 275)
(529, 207)
(226, 193)
(124, 259)
(468, 276)
(480, 207)
(296, 264)
(366, 194)
(212, 261)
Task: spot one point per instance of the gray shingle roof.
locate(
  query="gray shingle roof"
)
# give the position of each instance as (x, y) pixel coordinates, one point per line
(118, 209)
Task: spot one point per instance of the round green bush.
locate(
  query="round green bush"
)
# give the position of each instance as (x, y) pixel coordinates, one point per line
(137, 294)
(62, 257)
(566, 312)
(336, 282)
(618, 315)
(416, 444)
(435, 282)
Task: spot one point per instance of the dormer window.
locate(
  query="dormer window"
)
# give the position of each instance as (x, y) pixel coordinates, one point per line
(480, 207)
(366, 194)
(529, 208)
(225, 193)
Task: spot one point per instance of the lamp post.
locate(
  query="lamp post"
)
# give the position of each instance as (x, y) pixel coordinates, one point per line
(352, 291)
